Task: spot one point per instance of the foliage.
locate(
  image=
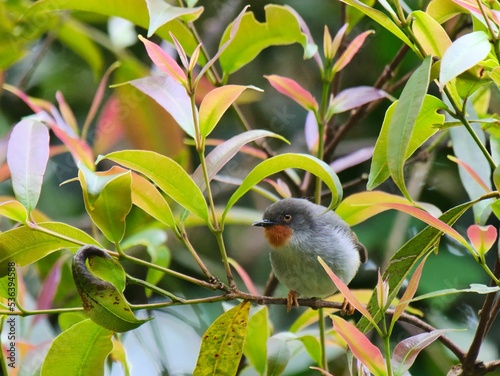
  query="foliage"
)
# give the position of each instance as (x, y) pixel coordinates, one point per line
(115, 275)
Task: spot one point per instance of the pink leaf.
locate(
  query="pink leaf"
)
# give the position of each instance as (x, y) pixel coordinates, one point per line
(164, 61)
(350, 51)
(482, 237)
(109, 129)
(337, 40)
(293, 90)
(411, 289)
(354, 97)
(311, 132)
(365, 351)
(348, 295)
(49, 289)
(430, 220)
(27, 157)
(407, 350)
(78, 148)
(97, 100)
(352, 159)
(244, 276)
(67, 113)
(172, 96)
(471, 172)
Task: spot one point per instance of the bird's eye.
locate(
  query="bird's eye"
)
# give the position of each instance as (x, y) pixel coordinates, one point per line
(287, 218)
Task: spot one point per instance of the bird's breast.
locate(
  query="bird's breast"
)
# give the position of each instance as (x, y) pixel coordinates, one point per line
(278, 235)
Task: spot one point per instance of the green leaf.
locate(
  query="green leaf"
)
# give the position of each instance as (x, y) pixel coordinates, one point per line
(365, 351)
(161, 13)
(108, 269)
(474, 287)
(403, 122)
(25, 245)
(9, 287)
(215, 104)
(14, 210)
(222, 344)
(167, 174)
(380, 18)
(255, 349)
(312, 346)
(443, 10)
(107, 197)
(280, 28)
(223, 153)
(170, 95)
(353, 15)
(64, 358)
(133, 10)
(282, 162)
(430, 34)
(406, 258)
(154, 240)
(27, 157)
(103, 302)
(278, 355)
(423, 129)
(458, 57)
(146, 196)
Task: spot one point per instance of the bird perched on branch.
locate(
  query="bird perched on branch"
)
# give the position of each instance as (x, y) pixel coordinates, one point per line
(300, 231)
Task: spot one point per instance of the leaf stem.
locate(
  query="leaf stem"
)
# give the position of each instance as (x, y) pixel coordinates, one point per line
(322, 339)
(225, 261)
(140, 282)
(185, 240)
(171, 272)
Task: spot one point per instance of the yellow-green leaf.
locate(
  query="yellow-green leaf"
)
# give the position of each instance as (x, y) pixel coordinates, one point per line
(222, 344)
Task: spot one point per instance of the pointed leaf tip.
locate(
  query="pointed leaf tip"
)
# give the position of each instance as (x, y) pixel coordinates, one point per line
(293, 90)
(164, 61)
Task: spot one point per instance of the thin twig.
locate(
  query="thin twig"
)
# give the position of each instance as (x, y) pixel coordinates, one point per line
(486, 316)
(334, 136)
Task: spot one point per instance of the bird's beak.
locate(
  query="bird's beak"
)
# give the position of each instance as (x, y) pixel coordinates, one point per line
(264, 223)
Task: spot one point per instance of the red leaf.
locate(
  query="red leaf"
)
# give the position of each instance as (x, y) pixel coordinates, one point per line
(342, 287)
(470, 171)
(164, 61)
(482, 237)
(350, 51)
(293, 90)
(365, 351)
(410, 292)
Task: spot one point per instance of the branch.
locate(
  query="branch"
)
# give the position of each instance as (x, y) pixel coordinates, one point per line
(487, 315)
(335, 136)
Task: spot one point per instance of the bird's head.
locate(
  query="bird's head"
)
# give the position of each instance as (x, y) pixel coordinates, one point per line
(284, 219)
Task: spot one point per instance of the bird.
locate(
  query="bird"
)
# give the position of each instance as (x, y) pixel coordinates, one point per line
(299, 231)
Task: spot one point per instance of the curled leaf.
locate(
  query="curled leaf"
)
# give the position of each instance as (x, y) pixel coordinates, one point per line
(103, 300)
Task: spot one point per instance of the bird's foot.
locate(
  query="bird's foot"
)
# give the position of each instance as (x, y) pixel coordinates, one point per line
(347, 308)
(291, 299)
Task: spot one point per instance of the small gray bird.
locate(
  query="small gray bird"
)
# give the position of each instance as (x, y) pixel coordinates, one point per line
(300, 231)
